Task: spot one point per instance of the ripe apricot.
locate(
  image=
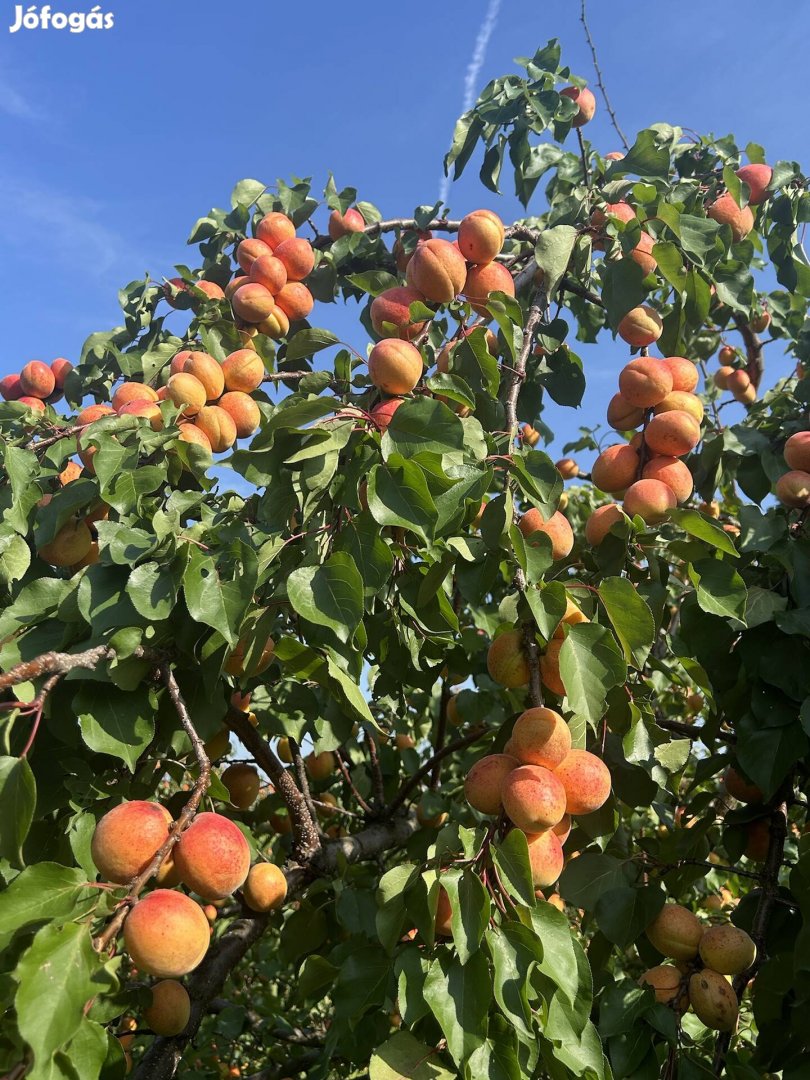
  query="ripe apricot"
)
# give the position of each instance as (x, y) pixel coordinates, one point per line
(218, 745)
(683, 401)
(675, 932)
(298, 258)
(622, 211)
(395, 366)
(727, 949)
(797, 451)
(665, 981)
(381, 414)
(270, 272)
(190, 433)
(444, 915)
(343, 224)
(480, 236)
(672, 472)
(793, 489)
(483, 783)
(652, 500)
(713, 1000)
(132, 391)
(10, 388)
(550, 668)
(573, 615)
(600, 523)
(243, 410)
(562, 830)
(236, 283)
(276, 325)
(438, 270)
(72, 471)
(404, 742)
(70, 545)
(760, 322)
(641, 326)
(274, 229)
(218, 427)
(741, 387)
(586, 780)
(265, 888)
(645, 382)
(243, 784)
(483, 279)
(585, 101)
(393, 307)
(740, 788)
(757, 839)
(252, 302)
(541, 737)
(567, 468)
(758, 177)
(61, 368)
(616, 468)
(506, 661)
(208, 371)
(430, 821)
(672, 434)
(621, 415)
(725, 211)
(249, 250)
(320, 766)
(170, 1009)
(533, 798)
(37, 380)
(149, 410)
(243, 370)
(557, 528)
(546, 857)
(295, 300)
(684, 373)
(210, 288)
(642, 253)
(530, 435)
(721, 377)
(235, 664)
(126, 838)
(186, 392)
(166, 934)
(443, 359)
(212, 856)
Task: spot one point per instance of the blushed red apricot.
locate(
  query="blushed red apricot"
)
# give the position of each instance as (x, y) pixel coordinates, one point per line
(642, 253)
(10, 388)
(186, 392)
(641, 326)
(249, 250)
(557, 528)
(585, 101)
(672, 472)
(218, 426)
(243, 370)
(672, 434)
(37, 380)
(236, 283)
(61, 368)
(149, 410)
(616, 468)
(126, 838)
(274, 229)
(179, 360)
(343, 224)
(443, 359)
(480, 236)
(622, 211)
(190, 433)
(208, 371)
(546, 857)
(132, 391)
(37, 404)
(438, 270)
(381, 414)
(170, 1009)
(298, 258)
(533, 798)
(243, 410)
(550, 668)
(506, 661)
(166, 934)
(760, 322)
(600, 523)
(483, 279)
(586, 781)
(621, 415)
(270, 272)
(393, 306)
(541, 737)
(684, 373)
(265, 888)
(686, 402)
(483, 783)
(395, 366)
(70, 545)
(212, 856)
(793, 489)
(295, 300)
(175, 292)
(652, 500)
(252, 302)
(797, 451)
(725, 211)
(758, 177)
(210, 288)
(645, 382)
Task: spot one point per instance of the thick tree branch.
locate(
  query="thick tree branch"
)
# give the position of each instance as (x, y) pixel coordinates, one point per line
(52, 663)
(753, 350)
(517, 374)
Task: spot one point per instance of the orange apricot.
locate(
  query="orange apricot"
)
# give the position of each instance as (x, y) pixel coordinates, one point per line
(725, 211)
(295, 300)
(642, 253)
(70, 545)
(567, 468)
(506, 662)
(218, 427)
(187, 393)
(381, 414)
(622, 211)
(533, 798)
(243, 410)
(665, 982)
(672, 472)
(270, 272)
(179, 360)
(793, 489)
(621, 415)
(170, 1009)
(149, 410)
(550, 668)
(616, 468)
(741, 387)
(573, 615)
(343, 224)
(243, 370)
(235, 664)
(601, 521)
(276, 325)
(252, 302)
(758, 177)
(395, 366)
(586, 781)
(672, 434)
(320, 766)
(541, 737)
(243, 784)
(208, 371)
(557, 528)
(210, 288)
(190, 433)
(675, 932)
(126, 838)
(562, 829)
(727, 949)
(721, 376)
(61, 368)
(265, 888)
(37, 380)
(684, 373)
(684, 401)
(212, 856)
(641, 326)
(236, 283)
(586, 103)
(72, 471)
(298, 258)
(249, 250)
(438, 270)
(166, 934)
(444, 915)
(530, 435)
(483, 279)
(546, 857)
(797, 451)
(480, 236)
(652, 500)
(132, 391)
(274, 229)
(10, 388)
(645, 382)
(483, 783)
(443, 359)
(393, 307)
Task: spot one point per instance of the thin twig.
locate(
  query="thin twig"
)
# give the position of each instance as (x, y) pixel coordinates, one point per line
(36, 708)
(344, 771)
(413, 782)
(599, 80)
(376, 771)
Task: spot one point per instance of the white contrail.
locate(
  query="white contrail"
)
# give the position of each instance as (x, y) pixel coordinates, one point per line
(474, 70)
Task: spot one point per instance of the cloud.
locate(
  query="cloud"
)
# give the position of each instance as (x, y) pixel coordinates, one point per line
(15, 104)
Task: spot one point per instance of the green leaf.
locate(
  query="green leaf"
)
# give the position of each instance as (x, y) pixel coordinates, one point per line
(307, 343)
(363, 983)
(404, 1057)
(552, 253)
(515, 949)
(152, 588)
(458, 995)
(218, 600)
(623, 913)
(631, 617)
(696, 524)
(373, 282)
(116, 722)
(423, 424)
(18, 797)
(647, 157)
(586, 878)
(559, 961)
(330, 595)
(42, 892)
(511, 858)
(720, 589)
(398, 495)
(15, 557)
(471, 911)
(590, 666)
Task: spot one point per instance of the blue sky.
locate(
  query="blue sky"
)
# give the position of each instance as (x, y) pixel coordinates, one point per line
(115, 142)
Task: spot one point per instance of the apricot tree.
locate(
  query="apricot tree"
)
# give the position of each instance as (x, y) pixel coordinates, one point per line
(339, 739)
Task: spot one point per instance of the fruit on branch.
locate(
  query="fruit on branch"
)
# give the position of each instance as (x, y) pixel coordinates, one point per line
(484, 781)
(320, 766)
(218, 745)
(741, 387)
(642, 253)
(672, 434)
(210, 288)
(681, 401)
(212, 856)
(269, 272)
(586, 781)
(585, 101)
(641, 326)
(550, 668)
(540, 737)
(70, 545)
(234, 284)
(132, 391)
(343, 224)
(739, 788)
(126, 838)
(672, 472)
(243, 370)
(573, 615)
(685, 374)
(276, 325)
(483, 279)
(758, 177)
(438, 270)
(37, 380)
(395, 366)
(243, 784)
(170, 1008)
(72, 471)
(652, 500)
(725, 211)
(757, 839)
(444, 915)
(186, 392)
(248, 251)
(721, 377)
(622, 211)
(10, 388)
(727, 950)
(530, 435)
(665, 981)
(218, 427)
(562, 830)
(713, 1000)
(676, 932)
(645, 382)
(793, 489)
(727, 355)
(166, 934)
(404, 742)
(149, 410)
(797, 451)
(615, 469)
(297, 256)
(393, 307)
(235, 664)
(621, 415)
(295, 300)
(430, 821)
(243, 410)
(507, 663)
(253, 303)
(381, 414)
(190, 433)
(557, 528)
(546, 857)
(265, 888)
(761, 322)
(443, 359)
(275, 229)
(567, 468)
(533, 798)
(480, 236)
(208, 371)
(615, 155)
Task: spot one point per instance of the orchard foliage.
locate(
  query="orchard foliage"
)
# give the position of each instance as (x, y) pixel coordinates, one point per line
(390, 582)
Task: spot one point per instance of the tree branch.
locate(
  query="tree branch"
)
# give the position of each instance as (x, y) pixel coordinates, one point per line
(599, 80)
(753, 350)
(413, 781)
(52, 663)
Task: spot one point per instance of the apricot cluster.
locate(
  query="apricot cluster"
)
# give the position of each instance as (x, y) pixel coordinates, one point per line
(647, 471)
(539, 782)
(734, 379)
(640, 254)
(508, 664)
(704, 958)
(793, 488)
(270, 292)
(37, 384)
